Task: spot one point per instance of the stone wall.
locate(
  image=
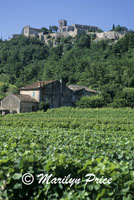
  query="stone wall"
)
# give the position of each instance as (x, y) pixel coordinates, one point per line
(33, 93)
(66, 96)
(29, 31)
(51, 92)
(26, 31)
(28, 107)
(73, 30)
(57, 94)
(112, 35)
(78, 94)
(11, 103)
(84, 28)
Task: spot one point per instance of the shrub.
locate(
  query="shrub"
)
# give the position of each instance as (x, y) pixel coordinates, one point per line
(44, 105)
(125, 99)
(91, 102)
(4, 87)
(13, 89)
(117, 103)
(2, 96)
(128, 95)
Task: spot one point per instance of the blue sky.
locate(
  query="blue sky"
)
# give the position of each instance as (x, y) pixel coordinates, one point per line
(15, 14)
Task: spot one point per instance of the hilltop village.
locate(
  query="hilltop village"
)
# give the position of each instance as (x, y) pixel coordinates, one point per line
(65, 30)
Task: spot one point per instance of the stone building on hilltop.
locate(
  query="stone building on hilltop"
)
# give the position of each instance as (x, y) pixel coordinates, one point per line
(30, 32)
(65, 30)
(76, 28)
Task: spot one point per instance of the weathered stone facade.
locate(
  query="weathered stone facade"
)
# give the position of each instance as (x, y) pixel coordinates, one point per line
(33, 93)
(19, 103)
(11, 103)
(110, 35)
(30, 32)
(75, 29)
(79, 91)
(54, 91)
(28, 106)
(63, 30)
(51, 92)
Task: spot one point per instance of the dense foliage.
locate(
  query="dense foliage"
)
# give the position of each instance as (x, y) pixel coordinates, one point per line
(103, 65)
(6, 89)
(68, 141)
(119, 28)
(21, 60)
(91, 102)
(124, 99)
(44, 105)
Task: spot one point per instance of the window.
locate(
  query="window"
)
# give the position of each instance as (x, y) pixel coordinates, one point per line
(33, 94)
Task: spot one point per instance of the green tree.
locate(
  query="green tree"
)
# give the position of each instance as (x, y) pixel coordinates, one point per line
(44, 30)
(119, 28)
(54, 28)
(113, 28)
(44, 105)
(50, 29)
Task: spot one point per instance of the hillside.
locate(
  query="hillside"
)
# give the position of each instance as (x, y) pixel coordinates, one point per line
(101, 65)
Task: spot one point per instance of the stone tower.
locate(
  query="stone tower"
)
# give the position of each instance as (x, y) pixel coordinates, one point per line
(62, 25)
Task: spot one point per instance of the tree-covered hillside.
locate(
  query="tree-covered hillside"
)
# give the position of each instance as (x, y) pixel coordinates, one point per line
(22, 60)
(104, 65)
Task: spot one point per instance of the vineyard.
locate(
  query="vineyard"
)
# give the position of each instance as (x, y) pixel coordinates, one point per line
(68, 141)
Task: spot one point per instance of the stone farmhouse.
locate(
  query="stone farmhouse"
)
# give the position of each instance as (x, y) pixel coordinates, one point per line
(17, 103)
(54, 91)
(79, 91)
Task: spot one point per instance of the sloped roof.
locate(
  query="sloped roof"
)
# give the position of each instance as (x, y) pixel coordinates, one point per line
(76, 87)
(90, 90)
(25, 98)
(37, 85)
(79, 87)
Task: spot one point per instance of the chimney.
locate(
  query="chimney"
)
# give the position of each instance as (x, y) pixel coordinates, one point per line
(39, 84)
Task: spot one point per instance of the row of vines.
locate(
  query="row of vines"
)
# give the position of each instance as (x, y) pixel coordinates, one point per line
(68, 141)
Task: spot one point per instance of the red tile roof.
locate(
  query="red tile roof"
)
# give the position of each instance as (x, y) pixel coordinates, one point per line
(37, 85)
